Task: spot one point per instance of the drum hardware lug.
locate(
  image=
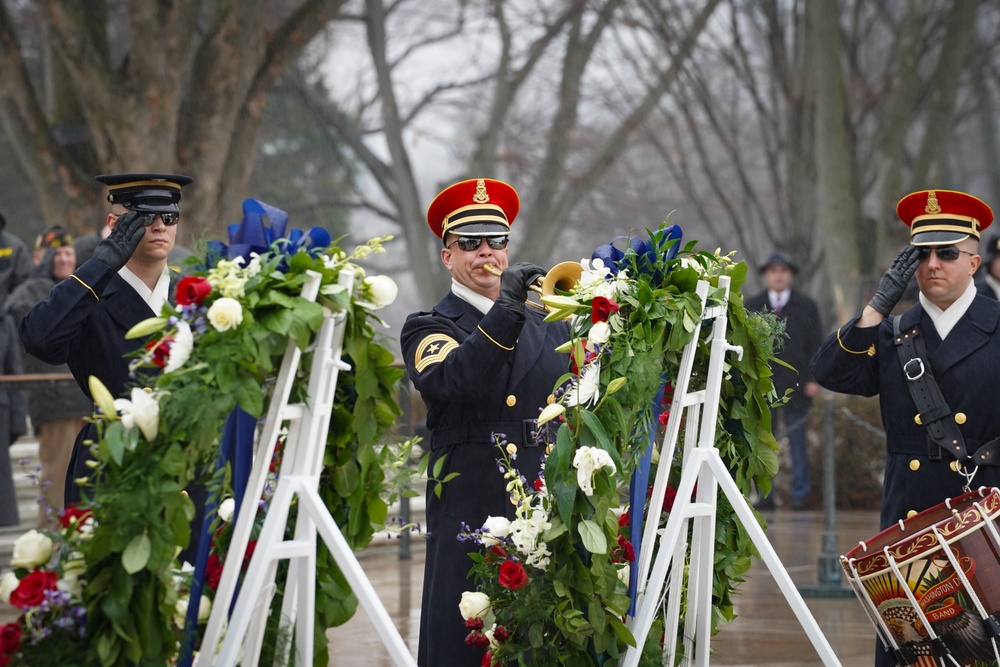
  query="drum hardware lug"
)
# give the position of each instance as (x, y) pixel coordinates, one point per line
(904, 656)
(991, 624)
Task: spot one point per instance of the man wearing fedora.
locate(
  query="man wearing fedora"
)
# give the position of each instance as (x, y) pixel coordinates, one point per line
(485, 366)
(802, 324)
(932, 365)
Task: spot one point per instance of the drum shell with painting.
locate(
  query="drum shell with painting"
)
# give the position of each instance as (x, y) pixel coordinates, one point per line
(967, 525)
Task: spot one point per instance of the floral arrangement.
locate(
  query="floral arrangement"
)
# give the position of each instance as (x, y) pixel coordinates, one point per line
(552, 582)
(223, 340)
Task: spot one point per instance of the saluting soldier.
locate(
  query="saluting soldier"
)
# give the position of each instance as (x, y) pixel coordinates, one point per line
(484, 365)
(950, 337)
(84, 320)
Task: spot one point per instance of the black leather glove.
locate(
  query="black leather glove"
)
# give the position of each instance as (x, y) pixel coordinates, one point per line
(514, 284)
(116, 250)
(894, 280)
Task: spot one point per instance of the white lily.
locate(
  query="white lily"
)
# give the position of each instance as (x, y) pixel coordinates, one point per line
(142, 411)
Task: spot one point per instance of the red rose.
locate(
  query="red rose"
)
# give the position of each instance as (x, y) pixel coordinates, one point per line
(477, 640)
(487, 660)
(160, 350)
(668, 498)
(31, 591)
(475, 623)
(213, 572)
(601, 307)
(496, 553)
(664, 417)
(251, 545)
(628, 552)
(624, 520)
(74, 514)
(192, 289)
(539, 484)
(512, 575)
(10, 638)
(501, 634)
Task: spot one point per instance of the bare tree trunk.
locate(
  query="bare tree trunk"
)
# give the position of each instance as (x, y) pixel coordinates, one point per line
(929, 172)
(839, 210)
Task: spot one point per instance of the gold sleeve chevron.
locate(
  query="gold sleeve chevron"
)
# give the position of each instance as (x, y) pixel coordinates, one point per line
(432, 350)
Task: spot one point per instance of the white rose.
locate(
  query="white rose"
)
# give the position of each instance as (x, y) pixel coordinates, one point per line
(31, 550)
(180, 349)
(382, 289)
(599, 333)
(495, 529)
(181, 608)
(225, 314)
(142, 411)
(226, 509)
(8, 582)
(474, 605)
(587, 461)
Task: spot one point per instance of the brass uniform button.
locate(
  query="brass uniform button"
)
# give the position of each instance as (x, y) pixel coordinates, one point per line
(960, 418)
(914, 465)
(956, 466)
(551, 399)
(511, 401)
(911, 514)
(916, 418)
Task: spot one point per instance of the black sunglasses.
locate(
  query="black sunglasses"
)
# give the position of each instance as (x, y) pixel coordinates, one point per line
(469, 243)
(169, 219)
(947, 253)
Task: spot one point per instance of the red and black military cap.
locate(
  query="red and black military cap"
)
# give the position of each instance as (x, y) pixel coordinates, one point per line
(476, 207)
(943, 217)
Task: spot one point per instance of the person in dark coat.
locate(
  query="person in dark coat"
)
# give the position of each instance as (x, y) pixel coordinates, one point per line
(57, 409)
(989, 283)
(15, 261)
(12, 418)
(84, 320)
(802, 324)
(484, 365)
(961, 333)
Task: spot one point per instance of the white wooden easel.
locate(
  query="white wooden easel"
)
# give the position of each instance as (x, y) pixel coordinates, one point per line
(702, 465)
(301, 465)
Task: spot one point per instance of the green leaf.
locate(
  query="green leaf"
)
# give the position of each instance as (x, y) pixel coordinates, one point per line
(136, 554)
(593, 537)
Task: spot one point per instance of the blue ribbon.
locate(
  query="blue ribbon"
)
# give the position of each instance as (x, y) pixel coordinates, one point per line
(263, 225)
(663, 243)
(637, 499)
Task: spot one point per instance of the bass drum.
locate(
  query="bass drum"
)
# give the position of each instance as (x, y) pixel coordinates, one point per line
(931, 583)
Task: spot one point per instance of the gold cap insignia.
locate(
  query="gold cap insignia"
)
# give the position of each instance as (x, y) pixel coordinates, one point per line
(481, 197)
(932, 208)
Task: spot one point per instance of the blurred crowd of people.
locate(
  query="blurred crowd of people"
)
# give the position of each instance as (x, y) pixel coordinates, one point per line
(55, 408)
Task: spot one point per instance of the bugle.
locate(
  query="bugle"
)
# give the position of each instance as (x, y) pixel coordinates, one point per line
(563, 277)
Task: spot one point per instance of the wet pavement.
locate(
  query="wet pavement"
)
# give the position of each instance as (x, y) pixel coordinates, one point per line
(766, 632)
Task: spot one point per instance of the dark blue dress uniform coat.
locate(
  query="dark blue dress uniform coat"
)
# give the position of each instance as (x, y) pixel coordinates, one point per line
(477, 374)
(73, 327)
(966, 365)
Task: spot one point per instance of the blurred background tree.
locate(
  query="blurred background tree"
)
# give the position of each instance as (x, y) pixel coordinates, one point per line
(773, 123)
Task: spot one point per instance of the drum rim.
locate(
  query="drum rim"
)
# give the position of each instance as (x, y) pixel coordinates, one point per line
(874, 562)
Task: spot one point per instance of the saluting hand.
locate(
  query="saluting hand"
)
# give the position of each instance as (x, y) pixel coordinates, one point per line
(117, 249)
(894, 280)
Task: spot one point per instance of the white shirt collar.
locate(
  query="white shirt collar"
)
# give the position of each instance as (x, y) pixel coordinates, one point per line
(155, 297)
(779, 299)
(945, 320)
(482, 303)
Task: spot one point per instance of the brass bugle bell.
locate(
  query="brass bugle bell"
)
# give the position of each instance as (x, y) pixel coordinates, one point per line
(563, 277)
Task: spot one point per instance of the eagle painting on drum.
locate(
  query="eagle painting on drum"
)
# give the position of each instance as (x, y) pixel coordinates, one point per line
(931, 584)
